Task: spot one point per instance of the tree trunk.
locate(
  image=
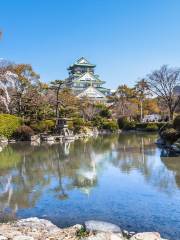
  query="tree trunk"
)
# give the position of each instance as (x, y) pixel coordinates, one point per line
(171, 114)
(141, 109)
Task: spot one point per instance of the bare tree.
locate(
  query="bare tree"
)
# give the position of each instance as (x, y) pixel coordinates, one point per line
(162, 83)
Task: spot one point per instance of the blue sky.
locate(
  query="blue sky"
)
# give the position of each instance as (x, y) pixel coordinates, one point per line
(125, 38)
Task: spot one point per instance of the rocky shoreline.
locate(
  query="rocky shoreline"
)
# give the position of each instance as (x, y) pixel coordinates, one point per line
(41, 229)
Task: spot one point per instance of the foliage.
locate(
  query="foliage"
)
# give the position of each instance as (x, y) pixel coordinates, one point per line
(142, 91)
(97, 121)
(104, 123)
(176, 123)
(56, 86)
(110, 125)
(78, 124)
(130, 125)
(81, 233)
(103, 110)
(9, 124)
(151, 127)
(26, 78)
(43, 126)
(147, 126)
(122, 122)
(170, 135)
(125, 102)
(161, 124)
(23, 133)
(125, 124)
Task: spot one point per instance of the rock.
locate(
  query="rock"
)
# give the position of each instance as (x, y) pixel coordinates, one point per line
(100, 226)
(35, 138)
(3, 139)
(127, 234)
(146, 236)
(37, 229)
(3, 238)
(176, 146)
(105, 236)
(12, 141)
(23, 237)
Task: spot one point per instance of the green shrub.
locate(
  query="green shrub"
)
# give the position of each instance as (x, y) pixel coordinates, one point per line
(23, 133)
(151, 127)
(110, 125)
(141, 126)
(176, 123)
(9, 124)
(122, 122)
(103, 110)
(78, 124)
(70, 125)
(82, 233)
(129, 125)
(104, 123)
(43, 126)
(161, 124)
(147, 127)
(170, 135)
(98, 122)
(167, 125)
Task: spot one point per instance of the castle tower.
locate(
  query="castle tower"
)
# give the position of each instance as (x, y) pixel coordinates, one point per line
(82, 76)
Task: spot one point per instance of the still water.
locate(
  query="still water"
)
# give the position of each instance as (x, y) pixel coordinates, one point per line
(121, 179)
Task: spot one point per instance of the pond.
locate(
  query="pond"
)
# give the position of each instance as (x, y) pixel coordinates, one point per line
(122, 179)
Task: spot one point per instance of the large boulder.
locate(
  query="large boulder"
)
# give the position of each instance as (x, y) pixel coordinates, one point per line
(100, 226)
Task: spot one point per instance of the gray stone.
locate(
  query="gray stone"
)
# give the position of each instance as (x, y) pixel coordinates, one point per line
(146, 236)
(35, 138)
(3, 139)
(127, 234)
(105, 236)
(100, 226)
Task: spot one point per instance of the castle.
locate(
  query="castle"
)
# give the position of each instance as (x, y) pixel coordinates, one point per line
(84, 82)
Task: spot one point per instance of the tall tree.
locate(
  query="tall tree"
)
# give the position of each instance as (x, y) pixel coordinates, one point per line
(7, 79)
(142, 91)
(162, 83)
(26, 77)
(57, 86)
(124, 101)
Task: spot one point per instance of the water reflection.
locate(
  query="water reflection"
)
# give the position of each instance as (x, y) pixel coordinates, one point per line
(28, 172)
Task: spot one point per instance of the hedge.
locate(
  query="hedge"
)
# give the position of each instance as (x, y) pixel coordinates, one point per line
(9, 124)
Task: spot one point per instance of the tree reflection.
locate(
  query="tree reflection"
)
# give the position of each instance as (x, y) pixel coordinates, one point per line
(27, 171)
